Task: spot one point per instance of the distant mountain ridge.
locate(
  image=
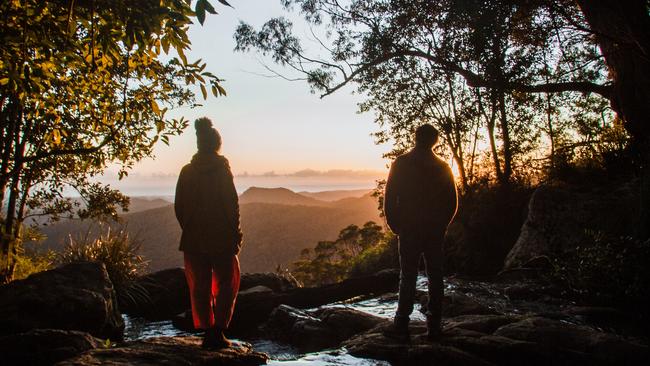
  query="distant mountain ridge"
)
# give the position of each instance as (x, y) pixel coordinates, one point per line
(331, 196)
(282, 196)
(275, 232)
(138, 204)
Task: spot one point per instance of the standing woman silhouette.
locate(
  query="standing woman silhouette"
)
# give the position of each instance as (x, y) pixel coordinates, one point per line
(207, 210)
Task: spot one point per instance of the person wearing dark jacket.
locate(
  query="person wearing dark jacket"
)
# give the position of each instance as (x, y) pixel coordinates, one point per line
(207, 210)
(419, 203)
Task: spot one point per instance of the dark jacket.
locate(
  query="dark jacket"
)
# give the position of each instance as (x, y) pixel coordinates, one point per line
(420, 193)
(207, 207)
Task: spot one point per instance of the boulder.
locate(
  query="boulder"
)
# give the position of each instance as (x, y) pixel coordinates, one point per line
(159, 295)
(347, 322)
(312, 331)
(254, 308)
(255, 289)
(601, 347)
(531, 291)
(45, 346)
(300, 329)
(486, 324)
(620, 321)
(501, 340)
(460, 304)
(273, 281)
(75, 296)
(558, 218)
(456, 304)
(255, 305)
(164, 294)
(373, 344)
(170, 351)
(484, 230)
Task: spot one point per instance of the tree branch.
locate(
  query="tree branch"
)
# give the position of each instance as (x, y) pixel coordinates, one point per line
(78, 151)
(476, 81)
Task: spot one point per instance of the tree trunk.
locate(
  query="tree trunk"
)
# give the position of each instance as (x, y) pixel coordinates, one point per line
(622, 30)
(490, 129)
(551, 130)
(11, 224)
(457, 149)
(505, 136)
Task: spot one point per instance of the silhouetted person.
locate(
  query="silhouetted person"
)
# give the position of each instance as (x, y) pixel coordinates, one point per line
(419, 203)
(207, 209)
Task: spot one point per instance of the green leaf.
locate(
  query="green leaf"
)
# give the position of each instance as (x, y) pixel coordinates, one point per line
(204, 92)
(224, 2)
(199, 9)
(222, 91)
(209, 7)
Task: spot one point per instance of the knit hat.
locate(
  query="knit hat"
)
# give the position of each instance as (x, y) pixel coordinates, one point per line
(207, 138)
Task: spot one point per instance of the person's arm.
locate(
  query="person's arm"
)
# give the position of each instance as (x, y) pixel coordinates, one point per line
(180, 198)
(451, 194)
(231, 204)
(391, 197)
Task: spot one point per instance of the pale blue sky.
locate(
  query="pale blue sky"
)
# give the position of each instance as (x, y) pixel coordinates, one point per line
(268, 124)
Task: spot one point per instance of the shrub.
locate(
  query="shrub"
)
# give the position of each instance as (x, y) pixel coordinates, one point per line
(382, 256)
(32, 262)
(607, 270)
(119, 254)
(356, 251)
(28, 262)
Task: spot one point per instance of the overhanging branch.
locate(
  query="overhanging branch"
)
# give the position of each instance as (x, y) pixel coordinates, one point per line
(474, 80)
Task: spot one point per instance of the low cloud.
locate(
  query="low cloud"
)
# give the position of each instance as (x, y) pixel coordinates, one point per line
(311, 173)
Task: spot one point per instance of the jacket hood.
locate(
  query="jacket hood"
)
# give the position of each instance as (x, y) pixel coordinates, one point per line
(208, 162)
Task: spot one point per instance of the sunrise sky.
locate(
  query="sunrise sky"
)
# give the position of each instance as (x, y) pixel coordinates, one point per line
(267, 123)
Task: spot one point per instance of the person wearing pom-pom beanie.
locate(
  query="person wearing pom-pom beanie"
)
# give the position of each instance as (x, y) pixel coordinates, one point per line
(207, 210)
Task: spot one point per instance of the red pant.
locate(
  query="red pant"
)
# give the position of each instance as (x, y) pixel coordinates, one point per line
(213, 289)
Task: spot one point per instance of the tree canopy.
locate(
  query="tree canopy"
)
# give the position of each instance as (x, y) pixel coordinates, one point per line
(84, 84)
(484, 72)
(523, 81)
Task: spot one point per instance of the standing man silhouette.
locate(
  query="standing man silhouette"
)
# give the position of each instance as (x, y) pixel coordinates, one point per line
(419, 203)
(207, 210)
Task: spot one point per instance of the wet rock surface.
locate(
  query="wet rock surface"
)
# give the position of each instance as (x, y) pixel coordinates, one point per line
(253, 308)
(44, 346)
(76, 296)
(311, 331)
(170, 351)
(165, 295)
(273, 281)
(501, 340)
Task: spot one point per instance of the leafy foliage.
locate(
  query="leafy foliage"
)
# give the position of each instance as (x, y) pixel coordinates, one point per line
(493, 76)
(356, 251)
(84, 84)
(116, 250)
(120, 255)
(30, 263)
(607, 269)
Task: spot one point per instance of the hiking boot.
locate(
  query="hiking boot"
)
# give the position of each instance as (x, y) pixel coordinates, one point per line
(399, 330)
(215, 339)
